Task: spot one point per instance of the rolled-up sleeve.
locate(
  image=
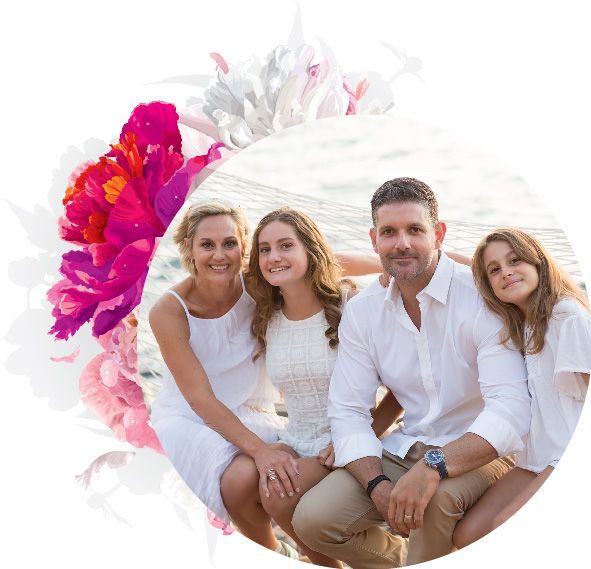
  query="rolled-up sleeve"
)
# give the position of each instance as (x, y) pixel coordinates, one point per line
(506, 417)
(352, 393)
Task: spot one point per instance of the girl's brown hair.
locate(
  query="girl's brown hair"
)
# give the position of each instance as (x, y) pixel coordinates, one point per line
(323, 273)
(554, 284)
(183, 236)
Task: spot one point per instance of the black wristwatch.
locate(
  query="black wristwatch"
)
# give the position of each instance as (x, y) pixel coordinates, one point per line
(374, 482)
(434, 458)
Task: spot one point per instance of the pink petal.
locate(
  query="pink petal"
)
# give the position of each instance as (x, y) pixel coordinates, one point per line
(109, 372)
(99, 399)
(138, 430)
(220, 61)
(362, 87)
(67, 359)
(219, 524)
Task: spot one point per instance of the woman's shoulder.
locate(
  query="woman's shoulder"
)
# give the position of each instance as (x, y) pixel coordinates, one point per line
(170, 306)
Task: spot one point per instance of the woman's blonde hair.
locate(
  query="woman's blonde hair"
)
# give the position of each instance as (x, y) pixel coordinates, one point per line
(554, 284)
(324, 273)
(183, 236)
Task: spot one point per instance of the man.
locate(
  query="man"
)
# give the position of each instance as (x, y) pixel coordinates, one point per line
(431, 341)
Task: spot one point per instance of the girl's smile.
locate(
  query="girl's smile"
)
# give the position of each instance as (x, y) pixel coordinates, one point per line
(282, 257)
(512, 280)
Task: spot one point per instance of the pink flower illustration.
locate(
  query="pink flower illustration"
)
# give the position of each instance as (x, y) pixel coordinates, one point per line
(109, 387)
(116, 209)
(226, 528)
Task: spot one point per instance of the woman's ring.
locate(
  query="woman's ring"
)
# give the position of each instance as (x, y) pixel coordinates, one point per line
(408, 517)
(271, 474)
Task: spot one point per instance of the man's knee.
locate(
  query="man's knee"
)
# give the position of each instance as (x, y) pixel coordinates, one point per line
(308, 519)
(445, 502)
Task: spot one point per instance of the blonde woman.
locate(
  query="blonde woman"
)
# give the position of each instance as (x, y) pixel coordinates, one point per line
(295, 280)
(547, 318)
(215, 412)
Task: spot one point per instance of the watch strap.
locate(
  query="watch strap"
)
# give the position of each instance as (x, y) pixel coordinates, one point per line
(442, 469)
(374, 482)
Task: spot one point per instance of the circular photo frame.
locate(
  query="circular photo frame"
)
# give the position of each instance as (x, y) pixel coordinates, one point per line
(244, 124)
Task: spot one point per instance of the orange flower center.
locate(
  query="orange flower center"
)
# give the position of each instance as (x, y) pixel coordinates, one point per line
(113, 188)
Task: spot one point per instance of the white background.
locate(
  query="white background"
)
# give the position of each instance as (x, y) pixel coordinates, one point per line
(510, 76)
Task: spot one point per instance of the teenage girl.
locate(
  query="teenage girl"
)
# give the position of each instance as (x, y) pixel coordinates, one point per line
(546, 316)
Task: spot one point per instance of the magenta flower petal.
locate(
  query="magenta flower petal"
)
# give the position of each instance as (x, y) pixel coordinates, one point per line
(154, 123)
(172, 196)
(78, 267)
(107, 318)
(160, 165)
(66, 325)
(67, 319)
(102, 253)
(133, 260)
(133, 217)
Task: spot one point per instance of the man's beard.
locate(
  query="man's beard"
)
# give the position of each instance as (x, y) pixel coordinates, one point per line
(418, 265)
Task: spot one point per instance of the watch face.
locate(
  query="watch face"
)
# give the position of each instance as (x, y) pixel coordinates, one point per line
(434, 456)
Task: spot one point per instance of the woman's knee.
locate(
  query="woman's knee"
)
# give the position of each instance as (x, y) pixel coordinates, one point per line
(280, 509)
(239, 482)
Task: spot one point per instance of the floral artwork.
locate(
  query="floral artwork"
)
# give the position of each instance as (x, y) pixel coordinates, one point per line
(117, 207)
(115, 210)
(251, 100)
(109, 387)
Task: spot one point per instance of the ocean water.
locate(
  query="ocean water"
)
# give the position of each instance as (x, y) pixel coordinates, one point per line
(346, 159)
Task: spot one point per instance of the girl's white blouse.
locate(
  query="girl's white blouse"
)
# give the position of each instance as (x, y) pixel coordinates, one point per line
(556, 386)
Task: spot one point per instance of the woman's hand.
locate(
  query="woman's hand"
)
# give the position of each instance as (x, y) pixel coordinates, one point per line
(277, 469)
(326, 456)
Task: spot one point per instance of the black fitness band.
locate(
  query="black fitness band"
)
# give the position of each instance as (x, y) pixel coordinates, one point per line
(374, 482)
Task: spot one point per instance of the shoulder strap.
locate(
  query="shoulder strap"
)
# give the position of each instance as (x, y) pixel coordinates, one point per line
(178, 297)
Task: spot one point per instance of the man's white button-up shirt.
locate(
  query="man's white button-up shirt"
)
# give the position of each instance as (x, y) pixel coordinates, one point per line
(451, 377)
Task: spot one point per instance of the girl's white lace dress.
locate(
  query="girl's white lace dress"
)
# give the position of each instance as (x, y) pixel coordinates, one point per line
(300, 363)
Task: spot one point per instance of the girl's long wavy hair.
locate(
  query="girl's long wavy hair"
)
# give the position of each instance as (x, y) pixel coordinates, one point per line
(554, 285)
(324, 273)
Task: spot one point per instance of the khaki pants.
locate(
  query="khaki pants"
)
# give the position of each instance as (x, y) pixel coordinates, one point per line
(337, 518)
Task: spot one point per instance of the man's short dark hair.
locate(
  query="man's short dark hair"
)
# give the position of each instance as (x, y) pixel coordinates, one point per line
(401, 190)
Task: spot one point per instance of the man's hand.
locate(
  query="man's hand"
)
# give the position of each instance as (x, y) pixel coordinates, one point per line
(326, 457)
(381, 497)
(410, 496)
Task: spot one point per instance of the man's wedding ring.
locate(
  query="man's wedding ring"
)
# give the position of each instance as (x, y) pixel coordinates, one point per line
(271, 474)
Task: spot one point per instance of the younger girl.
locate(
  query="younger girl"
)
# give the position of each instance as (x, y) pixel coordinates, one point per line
(294, 278)
(546, 316)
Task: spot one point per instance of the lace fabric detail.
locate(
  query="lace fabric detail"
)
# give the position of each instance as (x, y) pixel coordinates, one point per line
(300, 363)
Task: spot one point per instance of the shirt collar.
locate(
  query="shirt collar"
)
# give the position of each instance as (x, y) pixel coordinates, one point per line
(438, 287)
